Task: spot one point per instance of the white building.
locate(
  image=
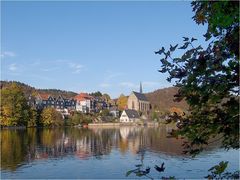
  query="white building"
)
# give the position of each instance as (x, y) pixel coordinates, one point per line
(84, 103)
(129, 115)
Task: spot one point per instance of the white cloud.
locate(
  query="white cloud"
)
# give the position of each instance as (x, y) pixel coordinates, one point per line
(12, 67)
(77, 68)
(6, 54)
(105, 85)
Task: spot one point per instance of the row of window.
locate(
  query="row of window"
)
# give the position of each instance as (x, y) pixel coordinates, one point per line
(126, 120)
(143, 106)
(58, 103)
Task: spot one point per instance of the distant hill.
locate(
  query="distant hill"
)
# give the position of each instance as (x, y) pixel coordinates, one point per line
(31, 90)
(162, 99)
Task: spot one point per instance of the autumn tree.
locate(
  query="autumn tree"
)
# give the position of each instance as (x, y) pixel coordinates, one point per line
(51, 117)
(122, 102)
(176, 110)
(208, 78)
(80, 118)
(14, 108)
(33, 118)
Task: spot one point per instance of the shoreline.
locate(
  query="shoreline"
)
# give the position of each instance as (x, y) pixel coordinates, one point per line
(116, 124)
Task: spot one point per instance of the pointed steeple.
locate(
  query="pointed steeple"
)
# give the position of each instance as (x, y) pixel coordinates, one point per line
(141, 87)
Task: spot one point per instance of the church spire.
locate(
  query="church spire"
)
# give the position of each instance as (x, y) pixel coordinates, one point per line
(141, 87)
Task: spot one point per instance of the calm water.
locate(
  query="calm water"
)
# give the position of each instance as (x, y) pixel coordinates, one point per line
(102, 153)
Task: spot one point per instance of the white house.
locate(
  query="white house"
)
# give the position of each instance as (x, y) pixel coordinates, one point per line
(129, 115)
(84, 103)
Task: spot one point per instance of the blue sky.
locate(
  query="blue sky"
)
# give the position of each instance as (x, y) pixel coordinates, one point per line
(91, 46)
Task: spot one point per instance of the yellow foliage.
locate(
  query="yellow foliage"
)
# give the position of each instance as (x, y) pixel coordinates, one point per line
(177, 110)
(122, 102)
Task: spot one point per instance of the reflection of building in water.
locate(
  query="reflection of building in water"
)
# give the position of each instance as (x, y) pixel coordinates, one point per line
(83, 149)
(155, 139)
(26, 145)
(129, 131)
(129, 139)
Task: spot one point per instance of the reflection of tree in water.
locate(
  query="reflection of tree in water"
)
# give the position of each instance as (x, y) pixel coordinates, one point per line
(154, 139)
(19, 146)
(22, 146)
(13, 150)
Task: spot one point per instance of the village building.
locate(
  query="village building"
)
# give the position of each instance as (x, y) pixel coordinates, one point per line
(100, 104)
(129, 115)
(43, 100)
(138, 101)
(84, 103)
(114, 111)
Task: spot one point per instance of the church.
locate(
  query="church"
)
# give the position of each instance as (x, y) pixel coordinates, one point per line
(138, 101)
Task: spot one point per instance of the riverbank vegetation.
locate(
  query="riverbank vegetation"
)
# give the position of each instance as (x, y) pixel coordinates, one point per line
(15, 112)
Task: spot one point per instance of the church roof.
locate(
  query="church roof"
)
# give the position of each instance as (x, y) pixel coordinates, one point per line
(132, 113)
(140, 96)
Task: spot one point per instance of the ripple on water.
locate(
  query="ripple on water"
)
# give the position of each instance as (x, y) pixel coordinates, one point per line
(103, 154)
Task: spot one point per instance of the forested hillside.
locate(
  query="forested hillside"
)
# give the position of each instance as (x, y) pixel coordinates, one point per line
(31, 90)
(163, 99)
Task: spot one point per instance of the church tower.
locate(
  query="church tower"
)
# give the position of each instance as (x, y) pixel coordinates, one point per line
(141, 91)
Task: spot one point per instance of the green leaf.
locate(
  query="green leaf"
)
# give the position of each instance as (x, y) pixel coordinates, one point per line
(129, 172)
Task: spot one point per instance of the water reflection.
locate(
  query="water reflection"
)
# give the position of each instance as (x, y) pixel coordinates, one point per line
(22, 146)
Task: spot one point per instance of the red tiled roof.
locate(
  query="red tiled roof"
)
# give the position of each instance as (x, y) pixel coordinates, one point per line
(82, 97)
(44, 96)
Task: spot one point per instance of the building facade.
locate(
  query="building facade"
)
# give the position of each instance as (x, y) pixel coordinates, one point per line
(138, 101)
(59, 103)
(84, 103)
(129, 116)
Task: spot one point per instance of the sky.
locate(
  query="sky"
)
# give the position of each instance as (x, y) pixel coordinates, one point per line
(92, 46)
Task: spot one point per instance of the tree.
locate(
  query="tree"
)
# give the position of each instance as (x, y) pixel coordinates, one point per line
(176, 110)
(14, 108)
(33, 118)
(208, 78)
(80, 118)
(106, 97)
(105, 112)
(122, 102)
(96, 94)
(51, 117)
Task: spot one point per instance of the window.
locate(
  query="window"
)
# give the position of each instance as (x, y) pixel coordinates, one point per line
(133, 105)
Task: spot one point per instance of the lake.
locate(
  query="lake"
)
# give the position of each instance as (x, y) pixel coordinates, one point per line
(102, 152)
